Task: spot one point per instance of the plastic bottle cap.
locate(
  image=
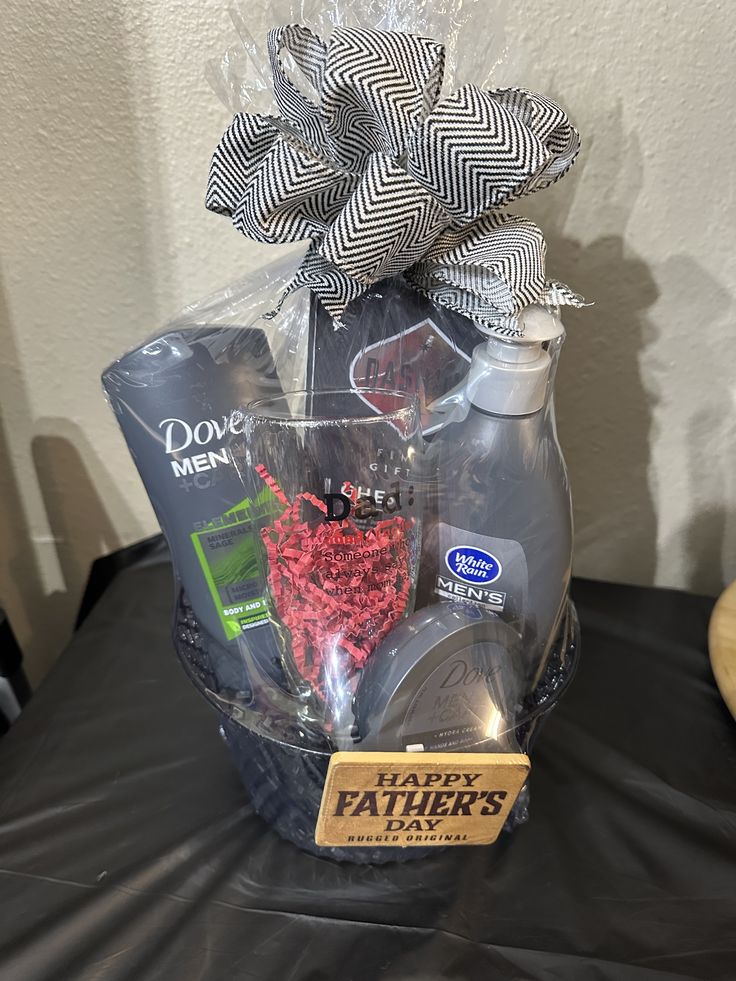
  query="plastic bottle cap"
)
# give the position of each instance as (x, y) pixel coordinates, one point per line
(509, 377)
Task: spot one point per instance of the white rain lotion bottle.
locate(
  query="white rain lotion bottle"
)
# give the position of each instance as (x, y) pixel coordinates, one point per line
(501, 532)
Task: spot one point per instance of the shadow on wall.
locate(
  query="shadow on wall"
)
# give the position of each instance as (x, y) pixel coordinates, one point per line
(82, 507)
(703, 537)
(82, 272)
(703, 544)
(22, 591)
(605, 410)
(616, 383)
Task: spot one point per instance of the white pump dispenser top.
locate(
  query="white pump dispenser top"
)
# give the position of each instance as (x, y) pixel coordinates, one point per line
(509, 377)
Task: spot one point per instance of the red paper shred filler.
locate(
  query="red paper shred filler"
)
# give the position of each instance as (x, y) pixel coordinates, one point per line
(338, 588)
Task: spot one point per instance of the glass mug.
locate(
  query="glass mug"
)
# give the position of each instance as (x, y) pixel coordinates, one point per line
(333, 477)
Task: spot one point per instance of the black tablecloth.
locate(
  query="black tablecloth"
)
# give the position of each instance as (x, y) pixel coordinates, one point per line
(128, 849)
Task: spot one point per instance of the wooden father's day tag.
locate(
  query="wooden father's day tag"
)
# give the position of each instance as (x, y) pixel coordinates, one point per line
(397, 799)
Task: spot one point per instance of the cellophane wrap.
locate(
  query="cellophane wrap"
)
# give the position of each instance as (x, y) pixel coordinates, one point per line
(292, 429)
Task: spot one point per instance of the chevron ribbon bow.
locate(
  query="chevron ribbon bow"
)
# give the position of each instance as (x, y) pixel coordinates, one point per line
(385, 177)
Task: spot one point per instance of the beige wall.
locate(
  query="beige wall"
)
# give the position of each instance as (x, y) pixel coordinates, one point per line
(106, 126)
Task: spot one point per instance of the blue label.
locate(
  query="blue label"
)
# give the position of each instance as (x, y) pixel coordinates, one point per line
(473, 565)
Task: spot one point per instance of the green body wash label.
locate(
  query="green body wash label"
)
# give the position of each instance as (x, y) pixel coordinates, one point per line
(227, 549)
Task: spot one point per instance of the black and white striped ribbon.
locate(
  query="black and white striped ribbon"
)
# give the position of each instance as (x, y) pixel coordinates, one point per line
(385, 177)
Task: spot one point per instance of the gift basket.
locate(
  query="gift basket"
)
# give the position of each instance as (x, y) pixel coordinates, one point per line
(352, 450)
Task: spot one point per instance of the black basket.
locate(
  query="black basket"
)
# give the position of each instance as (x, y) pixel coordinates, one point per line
(285, 780)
